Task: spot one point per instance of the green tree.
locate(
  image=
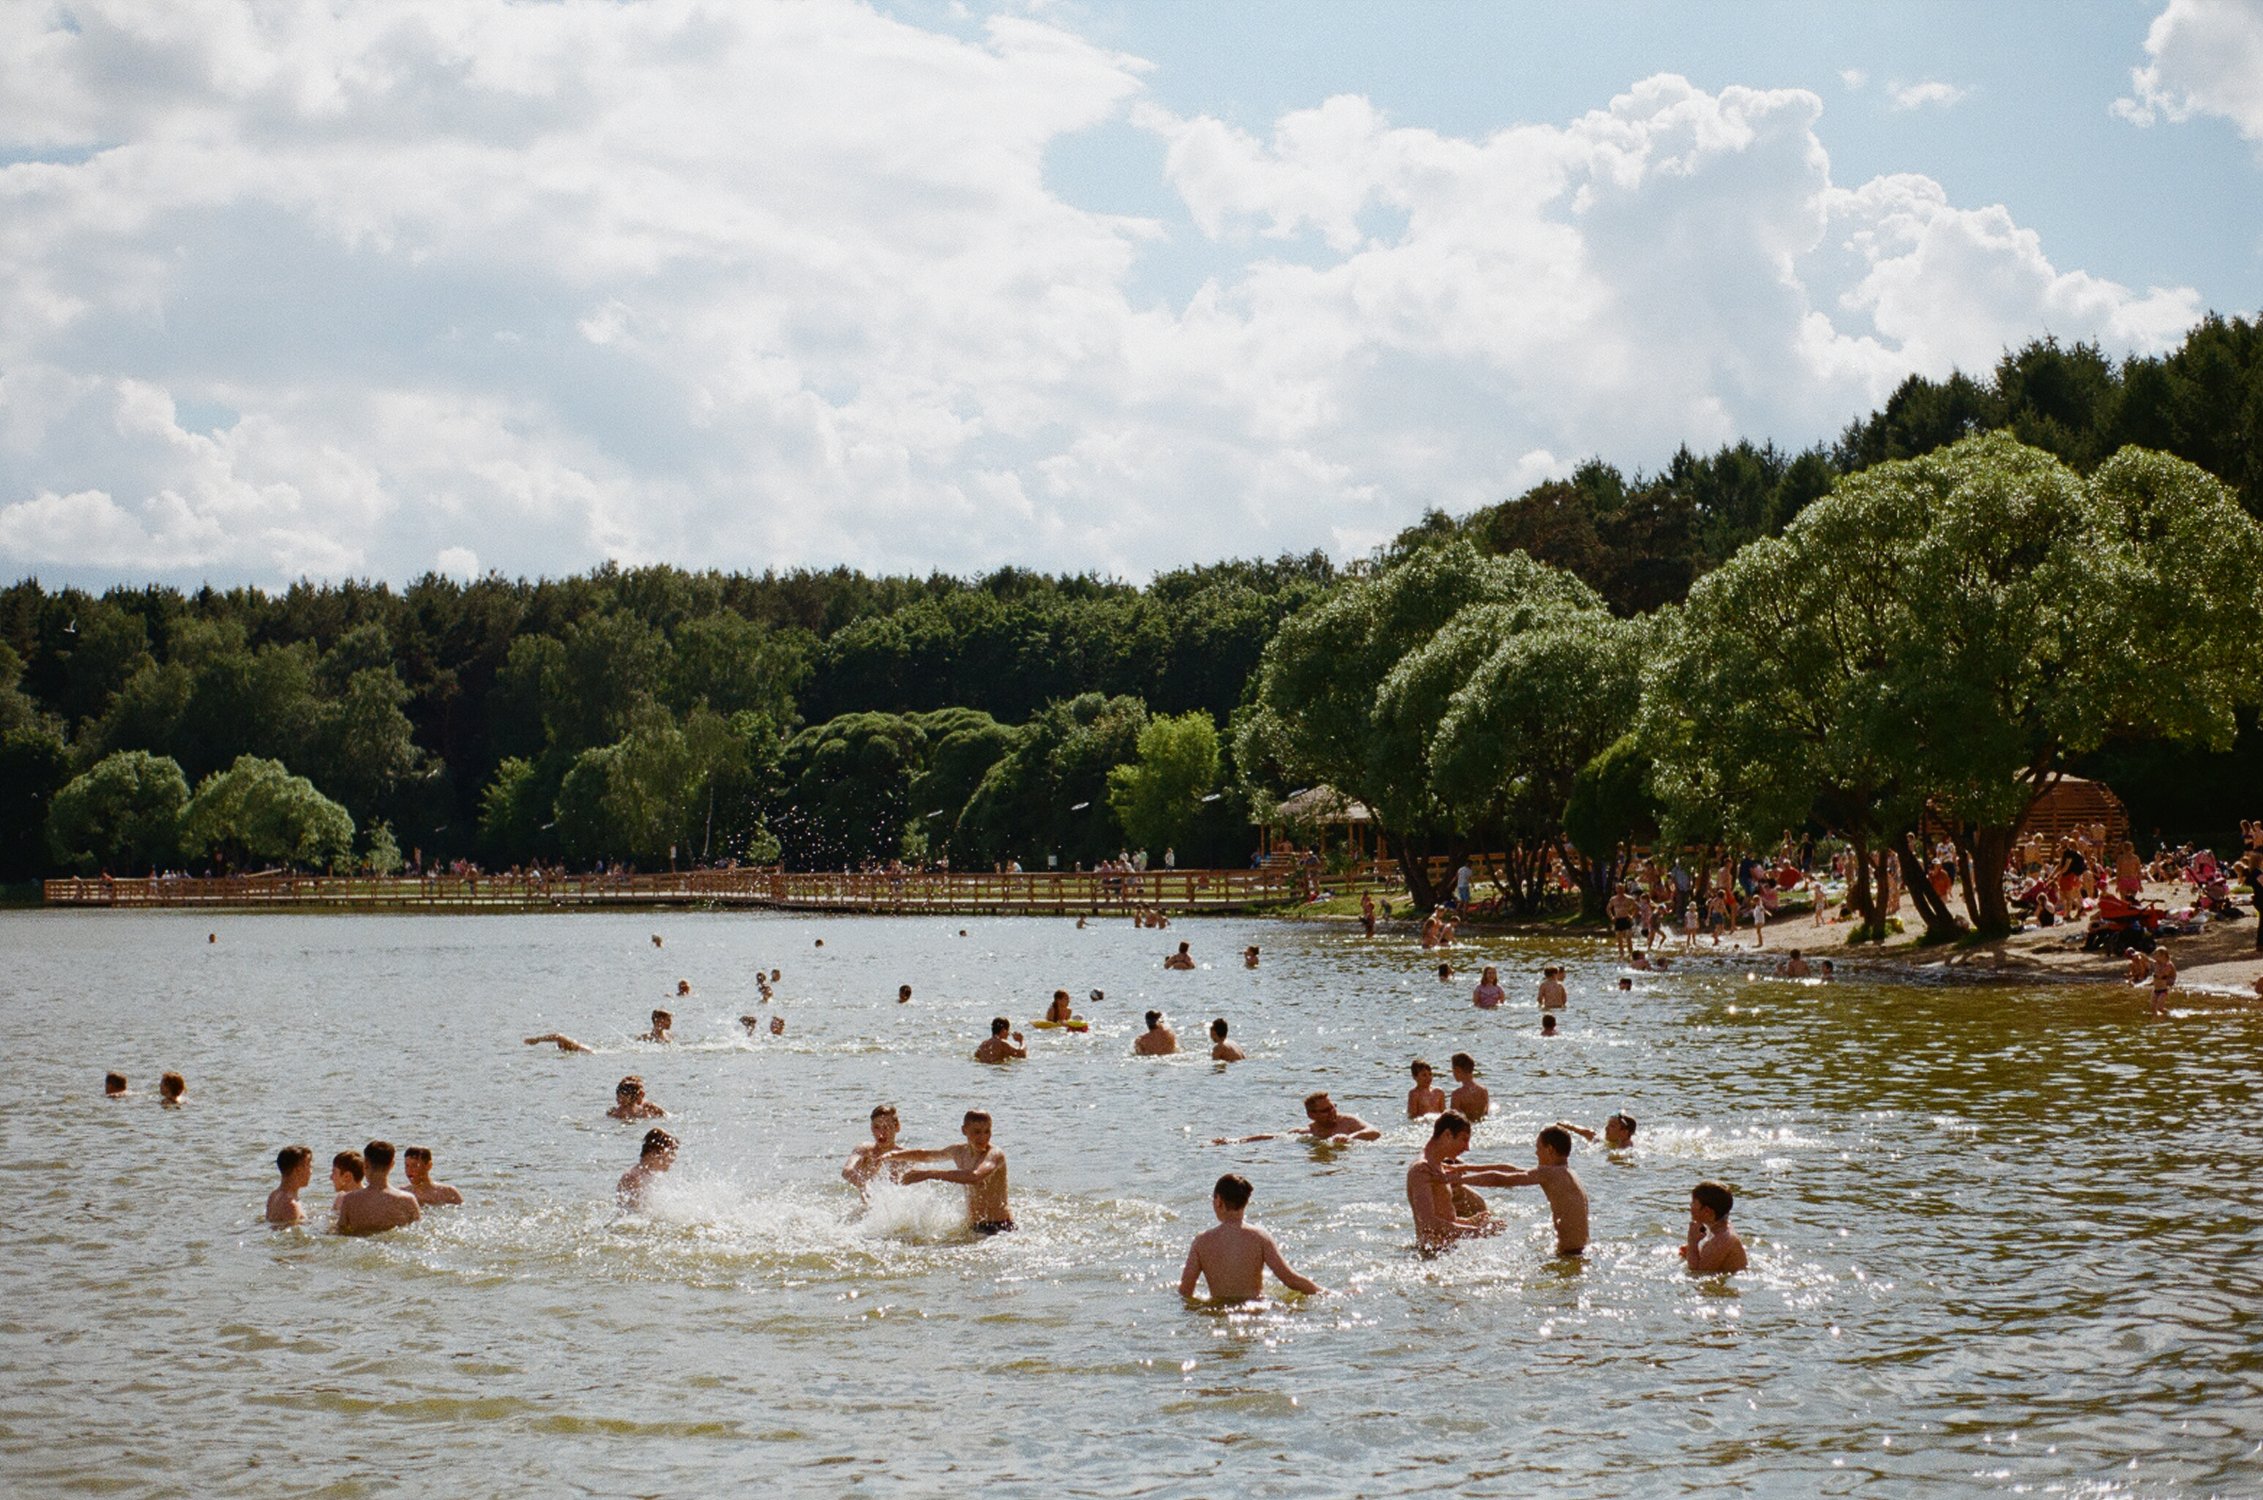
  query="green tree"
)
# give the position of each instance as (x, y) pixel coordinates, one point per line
(1158, 798)
(257, 811)
(124, 814)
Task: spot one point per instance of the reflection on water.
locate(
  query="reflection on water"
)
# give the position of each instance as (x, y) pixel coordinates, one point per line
(2004, 1238)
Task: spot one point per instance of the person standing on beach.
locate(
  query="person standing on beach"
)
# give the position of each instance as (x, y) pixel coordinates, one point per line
(1234, 1257)
(978, 1165)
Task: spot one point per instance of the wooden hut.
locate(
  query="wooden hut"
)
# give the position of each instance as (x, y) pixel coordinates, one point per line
(2072, 804)
(1317, 812)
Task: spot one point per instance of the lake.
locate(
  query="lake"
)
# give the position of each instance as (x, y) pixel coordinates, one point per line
(2005, 1238)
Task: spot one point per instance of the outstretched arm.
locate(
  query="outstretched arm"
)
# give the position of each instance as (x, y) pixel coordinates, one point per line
(1243, 1140)
(1579, 1130)
(966, 1176)
(1491, 1175)
(1280, 1268)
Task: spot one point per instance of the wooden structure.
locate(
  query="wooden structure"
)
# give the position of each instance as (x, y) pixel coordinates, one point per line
(2072, 804)
(1321, 809)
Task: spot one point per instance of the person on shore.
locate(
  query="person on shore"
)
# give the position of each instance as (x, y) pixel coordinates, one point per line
(1469, 1099)
(663, 1028)
(296, 1164)
(416, 1165)
(1621, 910)
(656, 1156)
(1323, 1122)
(1180, 960)
(1795, 967)
(1441, 1217)
(1222, 1050)
(113, 1085)
(347, 1174)
(1249, 956)
(1060, 1012)
(2164, 980)
(1003, 1043)
(1552, 1174)
(1425, 1098)
(1488, 995)
(565, 1043)
(377, 1205)
(2140, 967)
(1367, 912)
(1552, 994)
(1547, 1023)
(173, 1089)
(978, 1165)
(869, 1160)
(629, 1102)
(1712, 1247)
(1158, 1040)
(1233, 1257)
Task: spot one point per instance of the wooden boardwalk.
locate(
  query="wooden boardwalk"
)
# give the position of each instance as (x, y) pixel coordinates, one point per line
(1044, 892)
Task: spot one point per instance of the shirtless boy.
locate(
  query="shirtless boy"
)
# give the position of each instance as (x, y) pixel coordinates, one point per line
(172, 1088)
(565, 1043)
(1567, 1200)
(1712, 1246)
(1470, 1098)
(1323, 1122)
(1233, 1257)
(296, 1163)
(113, 1085)
(663, 1024)
(2164, 980)
(346, 1174)
(998, 1046)
(1222, 1050)
(416, 1163)
(868, 1160)
(1180, 960)
(1425, 1098)
(1552, 996)
(1795, 967)
(629, 1102)
(903, 991)
(1618, 1131)
(1439, 1219)
(977, 1164)
(656, 1157)
(1060, 1011)
(376, 1206)
(1158, 1040)
(1249, 957)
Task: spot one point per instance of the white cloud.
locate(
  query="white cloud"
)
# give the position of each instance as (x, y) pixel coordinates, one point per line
(1930, 94)
(2207, 59)
(458, 285)
(1853, 78)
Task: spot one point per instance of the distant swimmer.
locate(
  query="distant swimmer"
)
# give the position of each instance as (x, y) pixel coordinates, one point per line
(977, 1164)
(1425, 1098)
(1222, 1050)
(663, 1028)
(565, 1043)
(172, 1088)
(903, 994)
(999, 1046)
(377, 1205)
(1158, 1040)
(1060, 1012)
(656, 940)
(1830, 972)
(1712, 1246)
(1249, 956)
(1080, 924)
(1470, 1099)
(1795, 967)
(1626, 986)
(1618, 1131)
(113, 1085)
(868, 1160)
(1567, 1199)
(1445, 973)
(1323, 1122)
(416, 1163)
(212, 937)
(1552, 995)
(1440, 1217)
(1180, 960)
(777, 1025)
(629, 1102)
(636, 1184)
(1234, 1257)
(683, 987)
(296, 1163)
(1488, 995)
(1548, 1023)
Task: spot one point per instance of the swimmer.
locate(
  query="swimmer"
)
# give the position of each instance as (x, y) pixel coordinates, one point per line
(1059, 1012)
(347, 1173)
(656, 1157)
(1323, 1122)
(996, 1047)
(1080, 924)
(1445, 973)
(977, 1164)
(565, 1043)
(377, 1206)
(656, 940)
(1233, 1257)
(1548, 1023)
(1795, 967)
(113, 1085)
(629, 1102)
(1830, 972)
(1425, 1098)
(296, 1163)
(1222, 1050)
(2140, 967)
(1440, 1218)
(1158, 1040)
(663, 1024)
(1712, 1246)
(753, 1025)
(1626, 985)
(777, 1025)
(1180, 960)
(416, 1162)
(1249, 956)
(212, 937)
(2164, 980)
(1552, 995)
(1488, 995)
(1469, 1099)
(962, 932)
(903, 994)
(683, 987)
(774, 972)
(870, 1159)
(1618, 1131)
(821, 942)
(1567, 1199)
(1642, 962)
(172, 1088)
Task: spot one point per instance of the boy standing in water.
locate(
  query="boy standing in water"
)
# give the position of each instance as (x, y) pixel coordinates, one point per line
(867, 1160)
(416, 1162)
(998, 1047)
(1441, 1215)
(347, 1174)
(1222, 1050)
(977, 1164)
(1425, 1098)
(658, 1155)
(1234, 1257)
(377, 1206)
(1567, 1199)
(1712, 1246)
(1552, 996)
(1469, 1099)
(296, 1163)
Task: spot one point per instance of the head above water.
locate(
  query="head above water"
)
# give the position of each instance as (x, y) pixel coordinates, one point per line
(291, 1158)
(172, 1085)
(657, 1142)
(113, 1083)
(662, 1020)
(379, 1156)
(1154, 1019)
(1619, 1129)
(1450, 1124)
(1421, 1070)
(416, 1160)
(883, 1111)
(999, 1025)
(1715, 1196)
(1556, 1140)
(1318, 1105)
(1233, 1190)
(1218, 1029)
(1548, 1024)
(1462, 1062)
(350, 1164)
(631, 1087)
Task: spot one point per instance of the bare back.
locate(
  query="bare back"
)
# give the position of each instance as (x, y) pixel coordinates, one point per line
(373, 1210)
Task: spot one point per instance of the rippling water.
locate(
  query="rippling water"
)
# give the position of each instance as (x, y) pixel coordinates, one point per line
(2003, 1238)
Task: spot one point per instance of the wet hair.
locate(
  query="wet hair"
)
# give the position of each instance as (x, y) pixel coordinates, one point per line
(1317, 1096)
(1449, 1123)
(379, 1155)
(172, 1084)
(1152, 1017)
(1557, 1139)
(291, 1158)
(633, 1084)
(1626, 1121)
(1218, 1028)
(1057, 994)
(1548, 1024)
(660, 1016)
(656, 1141)
(1419, 1067)
(883, 1109)
(1445, 971)
(999, 1025)
(350, 1163)
(1551, 971)
(903, 989)
(1716, 1196)
(1233, 1190)
(418, 1154)
(113, 1083)
(1625, 983)
(973, 1115)
(1182, 947)
(1464, 1060)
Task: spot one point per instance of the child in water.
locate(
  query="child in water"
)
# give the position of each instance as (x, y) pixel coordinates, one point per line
(1234, 1257)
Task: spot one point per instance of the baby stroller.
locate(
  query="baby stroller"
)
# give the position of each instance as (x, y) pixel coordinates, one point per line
(2122, 926)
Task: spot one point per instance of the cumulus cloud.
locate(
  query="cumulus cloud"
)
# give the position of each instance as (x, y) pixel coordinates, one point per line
(1853, 78)
(454, 284)
(1931, 94)
(2207, 59)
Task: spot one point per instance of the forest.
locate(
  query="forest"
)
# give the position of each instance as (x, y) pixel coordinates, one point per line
(1989, 581)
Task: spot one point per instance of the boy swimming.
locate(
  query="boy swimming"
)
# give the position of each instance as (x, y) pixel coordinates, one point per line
(296, 1163)
(1567, 1199)
(1712, 1246)
(1425, 1098)
(416, 1163)
(656, 1157)
(977, 1164)
(997, 1047)
(1233, 1257)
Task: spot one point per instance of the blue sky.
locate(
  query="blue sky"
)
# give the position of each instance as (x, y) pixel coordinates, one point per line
(294, 290)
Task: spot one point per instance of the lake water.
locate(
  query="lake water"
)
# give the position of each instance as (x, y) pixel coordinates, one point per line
(2004, 1239)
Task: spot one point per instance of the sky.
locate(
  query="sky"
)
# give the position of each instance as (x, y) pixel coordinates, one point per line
(373, 289)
